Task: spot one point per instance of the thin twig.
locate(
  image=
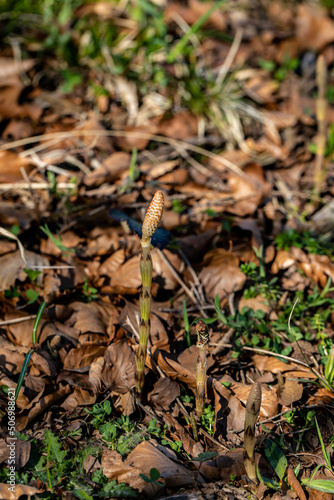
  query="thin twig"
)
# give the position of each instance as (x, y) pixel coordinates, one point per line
(58, 136)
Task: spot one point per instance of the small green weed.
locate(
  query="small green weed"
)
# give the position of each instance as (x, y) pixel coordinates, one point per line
(153, 479)
(329, 148)
(280, 72)
(314, 244)
(56, 240)
(208, 419)
(89, 292)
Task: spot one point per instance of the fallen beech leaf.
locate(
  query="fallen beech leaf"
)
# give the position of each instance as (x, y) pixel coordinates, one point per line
(79, 397)
(83, 356)
(149, 454)
(291, 391)
(269, 401)
(119, 369)
(39, 406)
(172, 368)
(164, 392)
(295, 484)
(97, 139)
(12, 265)
(114, 468)
(229, 413)
(220, 273)
(111, 168)
(20, 489)
(95, 372)
(181, 126)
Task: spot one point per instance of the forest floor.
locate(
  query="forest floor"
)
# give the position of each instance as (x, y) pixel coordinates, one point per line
(227, 108)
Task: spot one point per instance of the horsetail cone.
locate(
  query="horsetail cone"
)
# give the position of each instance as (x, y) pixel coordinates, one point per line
(150, 224)
(153, 215)
(202, 346)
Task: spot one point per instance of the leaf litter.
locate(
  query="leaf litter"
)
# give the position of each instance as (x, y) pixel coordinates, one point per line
(244, 244)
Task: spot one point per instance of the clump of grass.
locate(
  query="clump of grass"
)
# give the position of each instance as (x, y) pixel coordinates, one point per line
(150, 224)
(252, 412)
(202, 346)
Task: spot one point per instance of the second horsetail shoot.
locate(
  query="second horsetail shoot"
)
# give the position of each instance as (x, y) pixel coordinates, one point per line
(150, 224)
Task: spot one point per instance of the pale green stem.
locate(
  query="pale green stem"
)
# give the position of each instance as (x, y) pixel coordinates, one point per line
(145, 310)
(252, 412)
(201, 368)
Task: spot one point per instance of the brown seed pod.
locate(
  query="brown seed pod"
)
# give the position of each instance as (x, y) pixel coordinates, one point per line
(153, 215)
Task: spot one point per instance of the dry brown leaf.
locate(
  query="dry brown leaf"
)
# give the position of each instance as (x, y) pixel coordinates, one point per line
(97, 139)
(119, 369)
(283, 260)
(114, 468)
(37, 407)
(221, 274)
(165, 391)
(95, 372)
(10, 167)
(295, 484)
(149, 454)
(291, 391)
(127, 279)
(229, 413)
(13, 67)
(12, 267)
(83, 356)
(79, 397)
(12, 360)
(111, 168)
(181, 126)
(20, 490)
(162, 270)
(22, 401)
(258, 303)
(172, 368)
(269, 401)
(194, 11)
(136, 137)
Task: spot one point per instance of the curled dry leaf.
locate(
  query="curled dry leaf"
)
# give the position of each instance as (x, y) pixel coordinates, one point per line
(95, 372)
(20, 490)
(83, 356)
(119, 369)
(111, 168)
(229, 413)
(289, 392)
(149, 454)
(114, 468)
(41, 404)
(165, 391)
(79, 397)
(172, 368)
(269, 402)
(221, 274)
(12, 268)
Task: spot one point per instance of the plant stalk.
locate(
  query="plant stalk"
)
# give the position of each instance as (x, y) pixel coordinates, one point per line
(201, 367)
(150, 224)
(252, 412)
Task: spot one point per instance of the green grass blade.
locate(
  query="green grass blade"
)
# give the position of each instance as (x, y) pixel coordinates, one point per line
(23, 372)
(179, 47)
